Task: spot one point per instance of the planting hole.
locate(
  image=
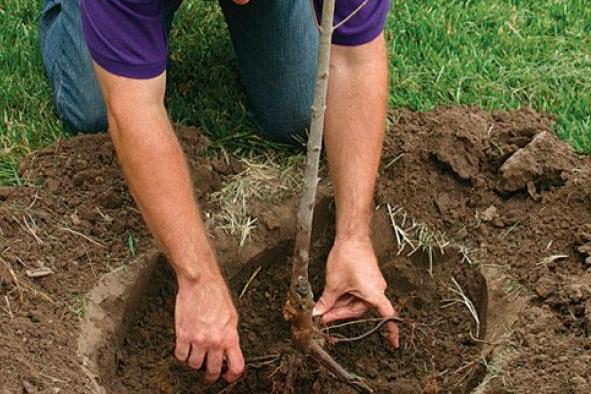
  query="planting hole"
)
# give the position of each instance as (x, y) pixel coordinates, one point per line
(438, 350)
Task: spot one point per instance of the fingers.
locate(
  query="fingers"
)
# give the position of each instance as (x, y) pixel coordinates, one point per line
(181, 350)
(195, 354)
(196, 357)
(349, 311)
(214, 365)
(235, 362)
(385, 309)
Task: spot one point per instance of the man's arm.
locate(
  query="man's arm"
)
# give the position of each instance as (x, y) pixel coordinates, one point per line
(354, 132)
(159, 180)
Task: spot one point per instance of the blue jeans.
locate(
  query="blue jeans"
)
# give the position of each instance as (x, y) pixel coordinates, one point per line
(275, 42)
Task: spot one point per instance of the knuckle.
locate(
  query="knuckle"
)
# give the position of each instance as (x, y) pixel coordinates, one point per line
(215, 341)
(182, 336)
(232, 337)
(179, 355)
(199, 339)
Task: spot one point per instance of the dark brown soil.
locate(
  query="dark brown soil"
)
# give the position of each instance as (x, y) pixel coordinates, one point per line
(499, 184)
(437, 341)
(75, 218)
(503, 185)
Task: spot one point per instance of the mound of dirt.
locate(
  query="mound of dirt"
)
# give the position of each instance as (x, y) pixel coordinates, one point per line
(506, 188)
(73, 222)
(499, 187)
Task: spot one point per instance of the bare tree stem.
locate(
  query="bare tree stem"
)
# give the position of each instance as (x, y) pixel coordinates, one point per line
(300, 302)
(306, 209)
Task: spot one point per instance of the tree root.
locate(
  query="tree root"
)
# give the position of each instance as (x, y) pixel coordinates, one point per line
(381, 322)
(355, 381)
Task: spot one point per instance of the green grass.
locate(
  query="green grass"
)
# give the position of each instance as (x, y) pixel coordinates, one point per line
(496, 54)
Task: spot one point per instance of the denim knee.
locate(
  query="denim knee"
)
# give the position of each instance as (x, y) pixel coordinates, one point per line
(287, 125)
(85, 115)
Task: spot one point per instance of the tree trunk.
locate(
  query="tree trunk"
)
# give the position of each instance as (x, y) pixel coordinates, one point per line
(300, 301)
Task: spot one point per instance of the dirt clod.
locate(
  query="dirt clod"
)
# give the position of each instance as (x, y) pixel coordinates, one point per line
(541, 162)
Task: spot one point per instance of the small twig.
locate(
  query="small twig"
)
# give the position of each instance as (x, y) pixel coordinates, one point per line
(351, 15)
(356, 382)
(36, 197)
(22, 285)
(550, 259)
(391, 163)
(15, 280)
(31, 231)
(54, 380)
(8, 308)
(252, 277)
(369, 332)
(509, 230)
(86, 237)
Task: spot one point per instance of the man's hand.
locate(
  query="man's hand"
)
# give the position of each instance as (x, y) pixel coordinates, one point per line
(355, 284)
(206, 328)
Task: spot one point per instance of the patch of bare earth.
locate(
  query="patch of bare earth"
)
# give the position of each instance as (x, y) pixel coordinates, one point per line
(483, 230)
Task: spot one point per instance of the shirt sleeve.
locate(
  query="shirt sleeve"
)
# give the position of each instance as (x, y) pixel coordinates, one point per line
(364, 26)
(126, 37)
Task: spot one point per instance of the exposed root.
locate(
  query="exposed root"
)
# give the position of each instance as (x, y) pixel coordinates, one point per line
(258, 362)
(355, 381)
(369, 332)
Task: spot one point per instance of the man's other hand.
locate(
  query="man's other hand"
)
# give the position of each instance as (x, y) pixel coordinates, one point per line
(355, 284)
(206, 328)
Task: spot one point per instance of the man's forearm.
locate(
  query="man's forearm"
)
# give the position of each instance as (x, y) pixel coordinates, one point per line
(159, 180)
(354, 133)
(158, 177)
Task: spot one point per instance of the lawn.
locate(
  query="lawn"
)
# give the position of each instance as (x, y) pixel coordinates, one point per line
(496, 54)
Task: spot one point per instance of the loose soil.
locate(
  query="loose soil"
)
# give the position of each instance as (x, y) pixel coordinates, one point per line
(499, 186)
(438, 341)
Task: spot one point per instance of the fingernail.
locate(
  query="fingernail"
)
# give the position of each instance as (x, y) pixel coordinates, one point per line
(316, 312)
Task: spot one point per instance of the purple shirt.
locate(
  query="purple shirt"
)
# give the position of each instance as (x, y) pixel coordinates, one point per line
(127, 37)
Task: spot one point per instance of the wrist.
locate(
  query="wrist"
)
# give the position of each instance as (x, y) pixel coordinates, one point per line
(347, 232)
(354, 224)
(348, 239)
(193, 271)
